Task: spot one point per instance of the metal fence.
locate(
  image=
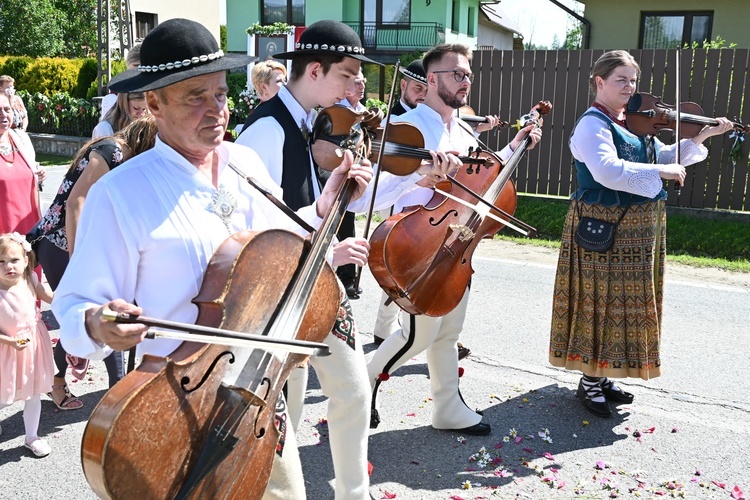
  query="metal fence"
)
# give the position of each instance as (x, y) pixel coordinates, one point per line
(510, 82)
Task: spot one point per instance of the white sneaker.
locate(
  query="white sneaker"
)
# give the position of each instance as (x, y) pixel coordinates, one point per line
(39, 447)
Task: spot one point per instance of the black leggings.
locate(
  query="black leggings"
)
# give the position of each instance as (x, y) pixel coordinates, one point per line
(54, 261)
(348, 272)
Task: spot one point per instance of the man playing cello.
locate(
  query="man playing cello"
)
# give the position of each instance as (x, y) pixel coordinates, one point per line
(448, 73)
(149, 228)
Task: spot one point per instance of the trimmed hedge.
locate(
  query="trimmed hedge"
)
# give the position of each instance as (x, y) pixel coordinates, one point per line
(15, 66)
(50, 75)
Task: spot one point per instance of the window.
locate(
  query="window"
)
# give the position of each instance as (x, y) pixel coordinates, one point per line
(388, 12)
(144, 22)
(282, 11)
(470, 20)
(454, 15)
(669, 30)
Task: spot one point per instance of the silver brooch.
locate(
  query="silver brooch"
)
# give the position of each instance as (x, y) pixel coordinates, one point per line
(223, 204)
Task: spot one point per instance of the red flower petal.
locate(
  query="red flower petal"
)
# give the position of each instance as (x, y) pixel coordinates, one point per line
(383, 377)
(737, 493)
(460, 371)
(388, 494)
(720, 485)
(548, 456)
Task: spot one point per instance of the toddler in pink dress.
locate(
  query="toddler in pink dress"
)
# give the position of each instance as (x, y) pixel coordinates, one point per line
(26, 364)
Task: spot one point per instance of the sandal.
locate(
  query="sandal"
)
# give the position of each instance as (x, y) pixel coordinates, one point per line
(38, 447)
(69, 402)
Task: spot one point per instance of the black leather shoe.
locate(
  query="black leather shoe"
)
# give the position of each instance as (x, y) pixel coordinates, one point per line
(599, 409)
(463, 352)
(377, 340)
(351, 292)
(374, 419)
(480, 429)
(618, 396)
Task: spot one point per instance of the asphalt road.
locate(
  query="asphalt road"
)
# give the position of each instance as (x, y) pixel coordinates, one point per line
(687, 433)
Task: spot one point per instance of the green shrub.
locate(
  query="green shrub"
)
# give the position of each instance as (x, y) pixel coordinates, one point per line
(86, 75)
(241, 99)
(50, 75)
(237, 82)
(93, 90)
(16, 67)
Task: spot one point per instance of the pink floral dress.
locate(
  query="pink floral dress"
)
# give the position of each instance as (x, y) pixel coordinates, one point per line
(30, 371)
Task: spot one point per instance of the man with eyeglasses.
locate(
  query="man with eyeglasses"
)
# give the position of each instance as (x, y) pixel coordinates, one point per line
(448, 73)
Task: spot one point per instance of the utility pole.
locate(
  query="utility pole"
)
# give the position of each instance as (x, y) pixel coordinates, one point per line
(110, 21)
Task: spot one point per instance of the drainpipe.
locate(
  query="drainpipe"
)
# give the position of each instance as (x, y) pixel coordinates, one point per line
(586, 22)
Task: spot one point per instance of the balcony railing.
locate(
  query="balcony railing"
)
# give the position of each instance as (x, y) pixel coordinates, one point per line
(400, 38)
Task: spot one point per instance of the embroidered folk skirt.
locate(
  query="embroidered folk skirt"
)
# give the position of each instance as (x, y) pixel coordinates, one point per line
(607, 310)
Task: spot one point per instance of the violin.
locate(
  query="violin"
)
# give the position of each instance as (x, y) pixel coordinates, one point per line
(339, 127)
(202, 422)
(647, 114)
(421, 257)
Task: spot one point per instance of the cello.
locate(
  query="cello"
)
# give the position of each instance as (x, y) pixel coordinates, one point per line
(202, 423)
(421, 257)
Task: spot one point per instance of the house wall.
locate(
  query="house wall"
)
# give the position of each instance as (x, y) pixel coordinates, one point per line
(490, 35)
(204, 12)
(241, 14)
(616, 25)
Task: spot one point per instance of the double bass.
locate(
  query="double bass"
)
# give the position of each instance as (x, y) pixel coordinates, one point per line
(421, 257)
(202, 423)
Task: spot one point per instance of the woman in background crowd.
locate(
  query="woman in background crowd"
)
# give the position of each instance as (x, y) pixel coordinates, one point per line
(267, 78)
(129, 107)
(58, 226)
(20, 115)
(20, 175)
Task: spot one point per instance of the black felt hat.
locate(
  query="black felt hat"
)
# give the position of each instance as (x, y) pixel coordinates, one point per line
(415, 71)
(176, 50)
(328, 37)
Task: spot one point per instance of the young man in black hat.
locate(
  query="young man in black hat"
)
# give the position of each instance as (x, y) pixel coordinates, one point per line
(413, 87)
(325, 65)
(149, 228)
(448, 75)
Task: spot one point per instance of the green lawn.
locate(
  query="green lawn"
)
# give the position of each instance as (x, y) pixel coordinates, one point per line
(47, 160)
(691, 240)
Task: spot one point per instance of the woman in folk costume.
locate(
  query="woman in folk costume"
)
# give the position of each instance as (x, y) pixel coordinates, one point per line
(607, 310)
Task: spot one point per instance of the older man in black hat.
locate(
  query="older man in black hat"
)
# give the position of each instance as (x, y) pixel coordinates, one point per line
(325, 66)
(149, 228)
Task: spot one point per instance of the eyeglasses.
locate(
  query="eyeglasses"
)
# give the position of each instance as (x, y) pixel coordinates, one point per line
(458, 75)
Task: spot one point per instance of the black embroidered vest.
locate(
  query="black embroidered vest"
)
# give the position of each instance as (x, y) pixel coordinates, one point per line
(296, 178)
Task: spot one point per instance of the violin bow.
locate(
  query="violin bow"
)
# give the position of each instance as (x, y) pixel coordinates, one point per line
(209, 335)
(391, 103)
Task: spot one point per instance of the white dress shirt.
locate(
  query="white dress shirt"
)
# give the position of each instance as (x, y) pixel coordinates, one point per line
(592, 144)
(438, 136)
(266, 138)
(147, 233)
